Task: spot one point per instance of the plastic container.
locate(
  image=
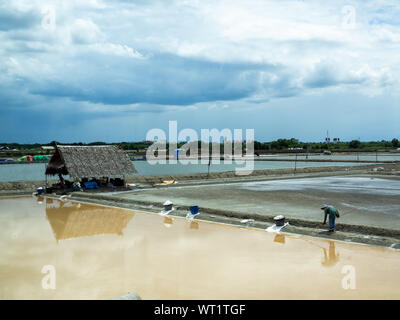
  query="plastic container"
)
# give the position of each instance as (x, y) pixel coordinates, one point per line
(167, 205)
(279, 220)
(194, 210)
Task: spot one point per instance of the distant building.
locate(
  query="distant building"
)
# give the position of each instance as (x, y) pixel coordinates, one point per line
(47, 148)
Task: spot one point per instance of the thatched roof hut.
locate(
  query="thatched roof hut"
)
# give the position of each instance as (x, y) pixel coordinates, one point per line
(90, 162)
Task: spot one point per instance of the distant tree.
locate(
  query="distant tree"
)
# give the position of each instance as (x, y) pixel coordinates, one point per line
(54, 143)
(293, 143)
(395, 143)
(354, 144)
(257, 145)
(282, 143)
(275, 145)
(97, 143)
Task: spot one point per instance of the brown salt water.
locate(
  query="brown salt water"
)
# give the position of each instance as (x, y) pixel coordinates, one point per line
(99, 252)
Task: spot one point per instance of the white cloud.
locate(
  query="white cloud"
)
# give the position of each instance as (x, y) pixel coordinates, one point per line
(117, 49)
(228, 46)
(85, 32)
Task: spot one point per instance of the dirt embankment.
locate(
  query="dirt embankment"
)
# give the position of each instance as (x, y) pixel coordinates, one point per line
(25, 187)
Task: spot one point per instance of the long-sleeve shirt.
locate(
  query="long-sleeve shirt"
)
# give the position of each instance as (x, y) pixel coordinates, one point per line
(332, 211)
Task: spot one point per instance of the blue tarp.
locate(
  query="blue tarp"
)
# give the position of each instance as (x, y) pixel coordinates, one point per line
(90, 185)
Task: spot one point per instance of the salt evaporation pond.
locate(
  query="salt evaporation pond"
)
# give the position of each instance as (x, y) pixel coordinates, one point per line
(35, 171)
(98, 252)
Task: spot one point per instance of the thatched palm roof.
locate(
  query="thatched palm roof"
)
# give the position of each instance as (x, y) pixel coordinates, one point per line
(90, 162)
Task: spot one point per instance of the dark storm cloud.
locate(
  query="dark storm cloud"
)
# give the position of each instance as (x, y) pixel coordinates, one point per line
(161, 79)
(11, 18)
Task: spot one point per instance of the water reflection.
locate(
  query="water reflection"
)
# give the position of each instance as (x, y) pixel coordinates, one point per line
(141, 261)
(194, 225)
(39, 199)
(168, 222)
(280, 238)
(330, 257)
(74, 220)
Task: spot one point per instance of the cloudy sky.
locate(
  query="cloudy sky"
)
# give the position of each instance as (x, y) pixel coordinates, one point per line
(110, 70)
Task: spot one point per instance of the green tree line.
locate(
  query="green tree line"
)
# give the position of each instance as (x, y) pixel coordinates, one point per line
(275, 145)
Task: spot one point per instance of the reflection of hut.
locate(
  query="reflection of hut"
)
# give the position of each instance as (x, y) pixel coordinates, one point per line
(74, 220)
(90, 162)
